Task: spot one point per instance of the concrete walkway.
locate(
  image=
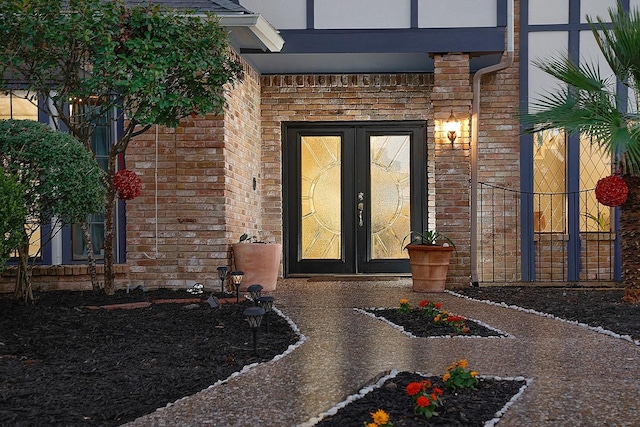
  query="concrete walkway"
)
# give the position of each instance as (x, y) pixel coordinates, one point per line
(580, 377)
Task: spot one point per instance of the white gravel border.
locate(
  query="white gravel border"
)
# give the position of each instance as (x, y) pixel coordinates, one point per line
(598, 329)
(409, 334)
(365, 390)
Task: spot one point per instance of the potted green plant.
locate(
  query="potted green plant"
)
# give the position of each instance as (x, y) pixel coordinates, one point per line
(258, 260)
(429, 260)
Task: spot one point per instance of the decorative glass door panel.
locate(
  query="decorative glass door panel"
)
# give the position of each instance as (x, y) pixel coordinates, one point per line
(320, 159)
(351, 193)
(390, 191)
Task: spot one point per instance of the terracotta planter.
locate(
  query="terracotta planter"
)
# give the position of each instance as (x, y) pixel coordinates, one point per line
(429, 267)
(260, 263)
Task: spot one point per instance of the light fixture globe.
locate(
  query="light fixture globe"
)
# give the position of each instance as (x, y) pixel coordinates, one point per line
(222, 275)
(236, 279)
(255, 291)
(451, 127)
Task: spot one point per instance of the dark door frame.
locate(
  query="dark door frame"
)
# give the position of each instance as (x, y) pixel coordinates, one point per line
(349, 131)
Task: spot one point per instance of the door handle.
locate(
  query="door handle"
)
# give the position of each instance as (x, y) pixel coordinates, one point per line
(360, 209)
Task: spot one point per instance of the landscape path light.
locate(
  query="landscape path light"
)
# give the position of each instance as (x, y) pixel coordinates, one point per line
(236, 278)
(254, 318)
(266, 303)
(222, 274)
(255, 291)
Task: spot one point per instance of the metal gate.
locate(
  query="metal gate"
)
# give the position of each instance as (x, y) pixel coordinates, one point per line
(544, 237)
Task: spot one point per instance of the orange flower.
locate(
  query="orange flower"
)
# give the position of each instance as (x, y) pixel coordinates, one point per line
(404, 301)
(473, 374)
(446, 377)
(414, 388)
(380, 417)
(423, 401)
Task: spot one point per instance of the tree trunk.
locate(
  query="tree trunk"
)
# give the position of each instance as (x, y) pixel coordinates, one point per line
(109, 276)
(86, 235)
(629, 238)
(23, 290)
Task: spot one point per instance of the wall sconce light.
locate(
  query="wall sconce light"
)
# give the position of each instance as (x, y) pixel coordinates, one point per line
(451, 126)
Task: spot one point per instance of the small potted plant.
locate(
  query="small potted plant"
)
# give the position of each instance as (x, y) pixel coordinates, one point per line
(429, 256)
(258, 260)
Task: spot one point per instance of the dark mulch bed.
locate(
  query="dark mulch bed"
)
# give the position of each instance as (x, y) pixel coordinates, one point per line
(464, 408)
(594, 307)
(64, 364)
(422, 326)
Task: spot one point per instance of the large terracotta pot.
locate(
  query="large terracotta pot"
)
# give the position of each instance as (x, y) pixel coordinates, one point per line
(260, 263)
(429, 267)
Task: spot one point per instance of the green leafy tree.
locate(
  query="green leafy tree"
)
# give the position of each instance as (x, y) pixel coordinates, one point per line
(141, 64)
(588, 105)
(12, 216)
(60, 179)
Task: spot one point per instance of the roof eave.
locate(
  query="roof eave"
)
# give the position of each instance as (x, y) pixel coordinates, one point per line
(264, 33)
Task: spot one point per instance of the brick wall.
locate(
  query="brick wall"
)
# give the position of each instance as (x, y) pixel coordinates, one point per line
(380, 97)
(205, 195)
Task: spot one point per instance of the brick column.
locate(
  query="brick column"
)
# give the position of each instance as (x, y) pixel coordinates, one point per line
(452, 91)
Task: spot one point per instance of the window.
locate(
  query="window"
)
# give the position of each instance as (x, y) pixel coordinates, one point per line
(100, 142)
(550, 188)
(16, 105)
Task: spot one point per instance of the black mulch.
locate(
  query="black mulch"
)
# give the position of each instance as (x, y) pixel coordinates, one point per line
(422, 326)
(63, 364)
(594, 307)
(464, 408)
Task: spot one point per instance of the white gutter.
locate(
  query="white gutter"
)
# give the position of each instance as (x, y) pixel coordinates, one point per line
(267, 35)
(475, 116)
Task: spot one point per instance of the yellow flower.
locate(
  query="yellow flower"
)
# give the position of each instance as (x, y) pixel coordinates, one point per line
(372, 425)
(473, 374)
(462, 363)
(404, 301)
(446, 377)
(380, 417)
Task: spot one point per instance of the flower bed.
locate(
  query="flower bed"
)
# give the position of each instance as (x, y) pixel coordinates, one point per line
(483, 405)
(429, 320)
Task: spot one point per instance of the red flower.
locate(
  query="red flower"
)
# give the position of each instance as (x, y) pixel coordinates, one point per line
(423, 401)
(611, 191)
(438, 305)
(423, 303)
(127, 183)
(413, 388)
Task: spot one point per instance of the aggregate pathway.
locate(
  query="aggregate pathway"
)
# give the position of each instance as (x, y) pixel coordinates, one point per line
(580, 377)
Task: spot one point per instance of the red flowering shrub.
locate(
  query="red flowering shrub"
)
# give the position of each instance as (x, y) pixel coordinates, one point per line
(128, 184)
(611, 191)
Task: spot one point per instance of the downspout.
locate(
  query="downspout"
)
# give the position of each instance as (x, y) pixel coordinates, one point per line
(475, 115)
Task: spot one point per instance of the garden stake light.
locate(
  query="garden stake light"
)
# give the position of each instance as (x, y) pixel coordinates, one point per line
(267, 304)
(236, 278)
(222, 274)
(254, 317)
(255, 291)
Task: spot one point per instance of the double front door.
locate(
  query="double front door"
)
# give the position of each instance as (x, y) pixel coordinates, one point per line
(352, 192)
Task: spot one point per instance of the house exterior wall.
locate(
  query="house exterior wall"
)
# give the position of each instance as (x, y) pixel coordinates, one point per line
(206, 199)
(335, 98)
